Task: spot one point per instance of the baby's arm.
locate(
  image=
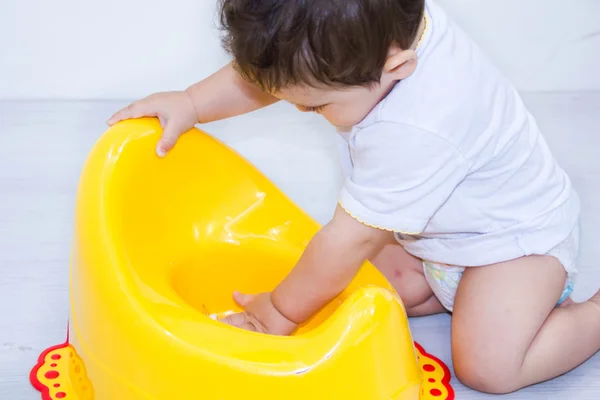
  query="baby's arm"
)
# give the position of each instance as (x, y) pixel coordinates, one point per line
(222, 95)
(226, 94)
(328, 265)
(330, 262)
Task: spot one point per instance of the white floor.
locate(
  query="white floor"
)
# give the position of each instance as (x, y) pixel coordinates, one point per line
(43, 146)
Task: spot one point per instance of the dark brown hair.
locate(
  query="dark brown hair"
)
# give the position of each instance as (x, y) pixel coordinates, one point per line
(278, 43)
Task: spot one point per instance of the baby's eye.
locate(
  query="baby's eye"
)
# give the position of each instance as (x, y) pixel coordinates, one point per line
(311, 109)
(315, 109)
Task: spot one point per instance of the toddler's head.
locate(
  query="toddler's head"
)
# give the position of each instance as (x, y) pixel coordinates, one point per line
(335, 57)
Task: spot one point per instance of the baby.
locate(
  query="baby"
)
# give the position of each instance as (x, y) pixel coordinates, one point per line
(450, 190)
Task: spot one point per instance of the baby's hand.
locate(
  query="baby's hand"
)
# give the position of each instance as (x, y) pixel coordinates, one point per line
(175, 110)
(260, 315)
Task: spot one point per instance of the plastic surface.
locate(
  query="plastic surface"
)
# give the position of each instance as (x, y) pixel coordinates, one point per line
(60, 374)
(159, 247)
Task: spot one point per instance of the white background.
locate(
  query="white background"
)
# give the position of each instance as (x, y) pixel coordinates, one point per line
(98, 49)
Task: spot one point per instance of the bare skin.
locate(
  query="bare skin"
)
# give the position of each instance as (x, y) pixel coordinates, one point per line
(514, 322)
(222, 95)
(514, 336)
(405, 273)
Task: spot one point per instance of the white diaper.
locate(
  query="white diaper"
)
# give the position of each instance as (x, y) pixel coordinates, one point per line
(444, 279)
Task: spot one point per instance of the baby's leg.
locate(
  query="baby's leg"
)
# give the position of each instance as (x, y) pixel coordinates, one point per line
(405, 273)
(507, 332)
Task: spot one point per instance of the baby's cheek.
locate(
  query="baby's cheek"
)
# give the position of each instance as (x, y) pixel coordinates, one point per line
(343, 118)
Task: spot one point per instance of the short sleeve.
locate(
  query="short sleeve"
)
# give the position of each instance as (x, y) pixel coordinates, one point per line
(401, 176)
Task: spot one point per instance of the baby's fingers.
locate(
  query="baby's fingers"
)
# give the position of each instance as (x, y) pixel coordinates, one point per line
(169, 138)
(239, 320)
(236, 319)
(137, 109)
(242, 299)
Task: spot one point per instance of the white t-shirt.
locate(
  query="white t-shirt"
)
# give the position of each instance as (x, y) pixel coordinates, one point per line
(452, 159)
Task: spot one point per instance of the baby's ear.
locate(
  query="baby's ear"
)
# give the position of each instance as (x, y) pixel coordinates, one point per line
(400, 64)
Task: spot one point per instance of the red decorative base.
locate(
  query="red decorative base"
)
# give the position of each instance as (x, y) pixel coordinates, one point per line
(436, 376)
(60, 374)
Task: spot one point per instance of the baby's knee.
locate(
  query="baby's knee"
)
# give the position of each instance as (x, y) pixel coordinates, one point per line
(481, 373)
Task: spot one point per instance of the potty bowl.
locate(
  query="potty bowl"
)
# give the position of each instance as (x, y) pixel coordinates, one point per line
(159, 247)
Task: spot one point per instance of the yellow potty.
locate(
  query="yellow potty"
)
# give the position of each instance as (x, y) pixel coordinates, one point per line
(159, 247)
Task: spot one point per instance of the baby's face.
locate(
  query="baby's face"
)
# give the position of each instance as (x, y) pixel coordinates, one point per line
(342, 107)
(347, 106)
